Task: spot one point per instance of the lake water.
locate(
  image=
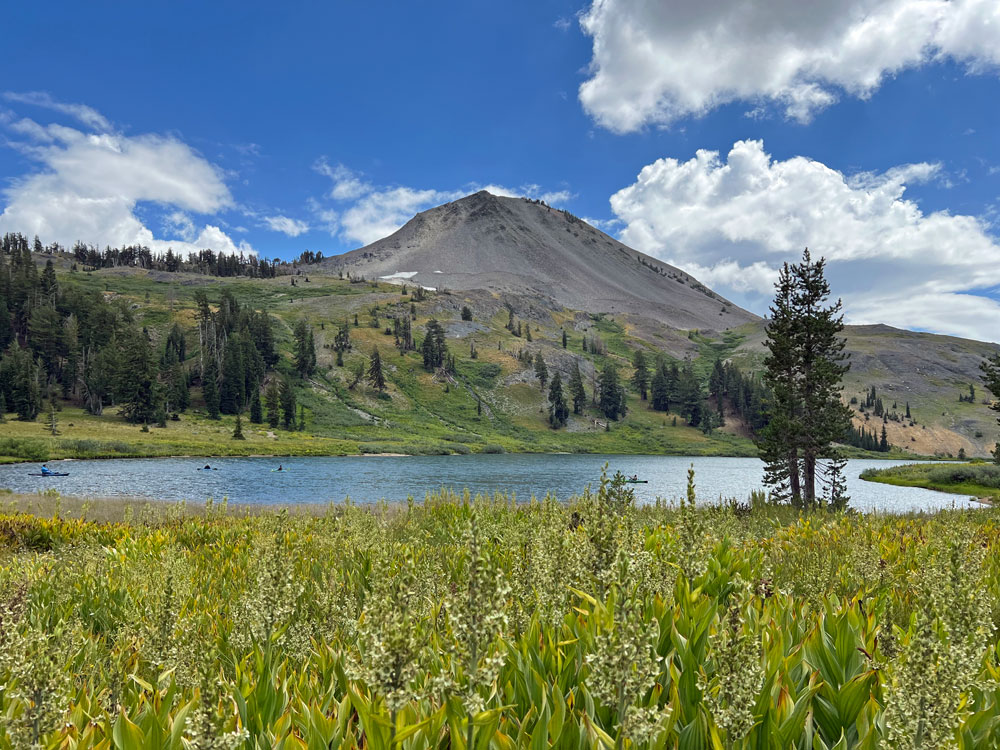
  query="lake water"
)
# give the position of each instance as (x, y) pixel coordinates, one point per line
(372, 478)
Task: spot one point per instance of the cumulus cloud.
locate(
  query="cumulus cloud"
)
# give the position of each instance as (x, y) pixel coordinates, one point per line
(369, 212)
(89, 183)
(732, 222)
(654, 62)
(286, 225)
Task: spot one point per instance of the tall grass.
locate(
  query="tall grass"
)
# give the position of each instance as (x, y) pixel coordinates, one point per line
(475, 622)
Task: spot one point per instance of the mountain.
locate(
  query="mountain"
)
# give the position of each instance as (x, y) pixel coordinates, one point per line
(523, 247)
(521, 252)
(581, 300)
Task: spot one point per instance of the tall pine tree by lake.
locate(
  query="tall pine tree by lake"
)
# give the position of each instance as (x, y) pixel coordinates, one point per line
(804, 372)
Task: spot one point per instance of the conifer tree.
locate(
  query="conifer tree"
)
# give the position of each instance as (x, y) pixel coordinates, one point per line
(576, 390)
(376, 377)
(135, 386)
(558, 410)
(210, 387)
(434, 348)
(991, 378)
(541, 371)
(272, 399)
(305, 349)
(883, 443)
(287, 404)
(804, 372)
(612, 396)
(659, 389)
(3, 408)
(640, 378)
(565, 339)
(232, 393)
(238, 429)
(26, 396)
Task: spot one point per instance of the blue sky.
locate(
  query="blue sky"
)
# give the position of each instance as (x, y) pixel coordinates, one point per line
(863, 128)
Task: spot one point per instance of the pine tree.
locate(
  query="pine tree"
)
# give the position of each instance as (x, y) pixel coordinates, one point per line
(232, 393)
(576, 390)
(659, 390)
(541, 371)
(26, 396)
(287, 395)
(256, 413)
(804, 371)
(640, 378)
(991, 378)
(272, 399)
(908, 410)
(565, 339)
(376, 377)
(434, 348)
(135, 386)
(612, 396)
(238, 430)
(3, 409)
(558, 410)
(305, 349)
(778, 444)
(883, 443)
(717, 388)
(210, 387)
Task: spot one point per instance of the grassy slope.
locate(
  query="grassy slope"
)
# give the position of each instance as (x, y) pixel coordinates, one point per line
(974, 480)
(423, 414)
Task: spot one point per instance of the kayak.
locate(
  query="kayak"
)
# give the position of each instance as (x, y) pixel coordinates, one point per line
(281, 470)
(53, 474)
(636, 481)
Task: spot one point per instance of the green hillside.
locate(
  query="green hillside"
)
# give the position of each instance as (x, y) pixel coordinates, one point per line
(492, 402)
(489, 400)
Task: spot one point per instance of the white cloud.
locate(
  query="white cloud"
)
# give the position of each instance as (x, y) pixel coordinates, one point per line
(373, 212)
(87, 115)
(286, 225)
(347, 185)
(731, 223)
(89, 184)
(654, 62)
(381, 212)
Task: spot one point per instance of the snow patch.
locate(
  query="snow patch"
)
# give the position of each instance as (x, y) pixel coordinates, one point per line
(401, 275)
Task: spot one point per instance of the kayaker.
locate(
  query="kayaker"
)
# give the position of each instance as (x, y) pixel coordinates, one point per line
(207, 468)
(635, 477)
(280, 468)
(46, 471)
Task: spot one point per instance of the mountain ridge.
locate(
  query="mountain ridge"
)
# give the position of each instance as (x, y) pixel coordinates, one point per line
(517, 245)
